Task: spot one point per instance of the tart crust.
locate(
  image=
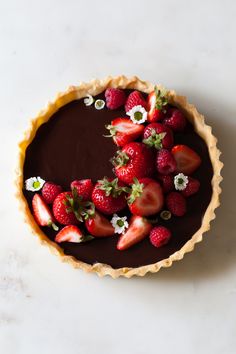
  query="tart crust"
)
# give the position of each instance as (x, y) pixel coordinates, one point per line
(94, 88)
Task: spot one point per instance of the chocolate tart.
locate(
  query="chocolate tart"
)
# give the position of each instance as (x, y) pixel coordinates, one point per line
(55, 148)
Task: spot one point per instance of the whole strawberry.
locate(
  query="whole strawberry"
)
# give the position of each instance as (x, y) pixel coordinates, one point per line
(167, 182)
(134, 160)
(109, 195)
(84, 188)
(191, 188)
(135, 98)
(69, 208)
(175, 120)
(50, 191)
(176, 203)
(158, 136)
(159, 236)
(115, 98)
(165, 162)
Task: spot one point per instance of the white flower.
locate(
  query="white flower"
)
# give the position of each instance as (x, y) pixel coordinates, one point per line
(137, 114)
(34, 184)
(120, 224)
(88, 101)
(99, 104)
(180, 182)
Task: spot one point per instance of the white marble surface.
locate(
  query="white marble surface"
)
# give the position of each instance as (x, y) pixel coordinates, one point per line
(48, 307)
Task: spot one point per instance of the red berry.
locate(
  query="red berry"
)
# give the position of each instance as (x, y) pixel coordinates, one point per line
(146, 197)
(187, 159)
(99, 226)
(115, 98)
(192, 187)
(166, 163)
(176, 203)
(159, 236)
(42, 213)
(175, 120)
(84, 188)
(167, 182)
(70, 233)
(124, 131)
(108, 196)
(138, 229)
(50, 191)
(134, 160)
(135, 98)
(157, 102)
(61, 209)
(158, 136)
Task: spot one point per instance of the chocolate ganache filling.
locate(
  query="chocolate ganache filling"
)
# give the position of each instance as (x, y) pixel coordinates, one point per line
(71, 145)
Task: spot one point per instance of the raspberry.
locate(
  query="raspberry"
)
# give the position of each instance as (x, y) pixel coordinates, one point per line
(165, 162)
(115, 98)
(167, 182)
(50, 191)
(192, 187)
(176, 120)
(159, 236)
(135, 98)
(84, 188)
(176, 203)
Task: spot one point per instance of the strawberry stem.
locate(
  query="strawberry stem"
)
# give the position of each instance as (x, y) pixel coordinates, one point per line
(161, 98)
(120, 160)
(82, 209)
(135, 191)
(155, 139)
(111, 187)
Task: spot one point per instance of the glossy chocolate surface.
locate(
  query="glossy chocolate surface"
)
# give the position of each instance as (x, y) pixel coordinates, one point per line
(71, 146)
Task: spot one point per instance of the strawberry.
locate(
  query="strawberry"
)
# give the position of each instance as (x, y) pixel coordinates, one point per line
(176, 203)
(134, 160)
(165, 162)
(191, 188)
(135, 98)
(146, 197)
(50, 191)
(158, 136)
(159, 236)
(42, 213)
(157, 101)
(138, 229)
(187, 159)
(84, 188)
(167, 182)
(99, 226)
(123, 131)
(69, 208)
(115, 98)
(175, 120)
(109, 195)
(70, 233)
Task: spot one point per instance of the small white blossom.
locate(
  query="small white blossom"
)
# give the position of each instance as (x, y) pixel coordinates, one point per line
(99, 104)
(180, 182)
(34, 184)
(137, 114)
(88, 101)
(119, 223)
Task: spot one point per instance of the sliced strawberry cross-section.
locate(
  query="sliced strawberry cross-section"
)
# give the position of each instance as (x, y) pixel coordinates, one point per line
(123, 131)
(42, 213)
(187, 159)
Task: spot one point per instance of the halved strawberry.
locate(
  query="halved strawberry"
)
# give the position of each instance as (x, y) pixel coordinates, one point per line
(156, 105)
(123, 131)
(187, 159)
(42, 213)
(138, 229)
(70, 233)
(99, 226)
(146, 197)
